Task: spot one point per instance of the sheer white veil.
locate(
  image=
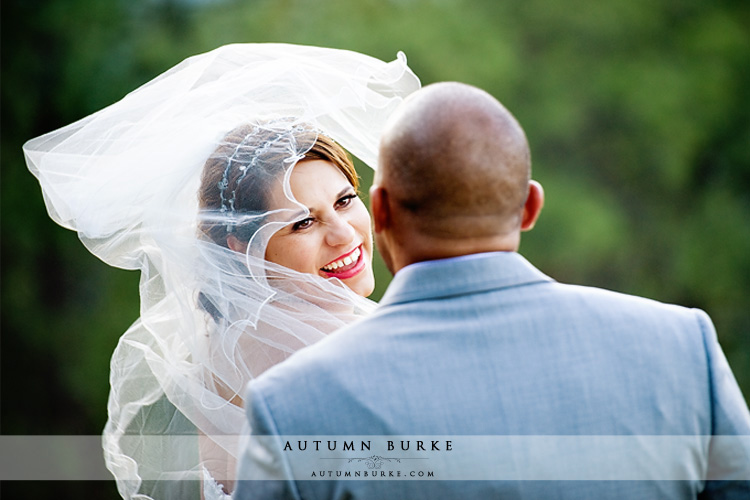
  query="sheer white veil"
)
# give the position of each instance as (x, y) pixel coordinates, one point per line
(127, 180)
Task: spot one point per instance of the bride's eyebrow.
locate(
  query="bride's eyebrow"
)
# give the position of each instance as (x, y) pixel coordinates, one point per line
(348, 188)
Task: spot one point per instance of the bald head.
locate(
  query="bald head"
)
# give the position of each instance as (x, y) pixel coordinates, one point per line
(456, 162)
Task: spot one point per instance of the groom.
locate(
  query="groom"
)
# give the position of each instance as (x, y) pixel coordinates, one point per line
(471, 345)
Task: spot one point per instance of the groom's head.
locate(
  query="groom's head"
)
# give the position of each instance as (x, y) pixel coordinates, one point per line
(453, 178)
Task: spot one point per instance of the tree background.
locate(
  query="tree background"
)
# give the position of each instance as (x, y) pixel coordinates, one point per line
(637, 111)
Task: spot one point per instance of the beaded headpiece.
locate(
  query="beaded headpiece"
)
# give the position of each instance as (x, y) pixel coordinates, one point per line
(246, 156)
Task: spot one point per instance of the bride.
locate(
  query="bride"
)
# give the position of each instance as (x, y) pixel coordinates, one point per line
(223, 182)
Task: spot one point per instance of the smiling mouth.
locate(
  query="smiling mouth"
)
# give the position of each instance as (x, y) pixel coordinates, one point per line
(347, 266)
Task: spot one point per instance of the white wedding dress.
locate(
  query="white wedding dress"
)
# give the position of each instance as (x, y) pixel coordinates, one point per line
(211, 489)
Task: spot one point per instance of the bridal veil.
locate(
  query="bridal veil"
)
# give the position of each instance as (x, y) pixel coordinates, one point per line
(127, 179)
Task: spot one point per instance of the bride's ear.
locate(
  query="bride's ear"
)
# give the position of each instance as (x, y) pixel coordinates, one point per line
(533, 206)
(235, 244)
(380, 208)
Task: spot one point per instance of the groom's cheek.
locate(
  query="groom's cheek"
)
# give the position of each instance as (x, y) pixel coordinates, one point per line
(382, 247)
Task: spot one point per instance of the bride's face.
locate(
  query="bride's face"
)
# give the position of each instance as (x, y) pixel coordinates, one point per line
(334, 240)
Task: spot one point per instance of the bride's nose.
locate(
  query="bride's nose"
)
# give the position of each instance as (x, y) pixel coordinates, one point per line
(339, 232)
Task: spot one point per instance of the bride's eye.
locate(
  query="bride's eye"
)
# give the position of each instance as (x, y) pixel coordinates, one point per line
(302, 224)
(345, 200)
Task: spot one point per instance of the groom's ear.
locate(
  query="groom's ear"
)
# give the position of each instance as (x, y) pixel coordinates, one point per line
(380, 208)
(533, 206)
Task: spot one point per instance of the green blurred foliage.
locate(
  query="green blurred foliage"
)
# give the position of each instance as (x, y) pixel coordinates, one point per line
(637, 111)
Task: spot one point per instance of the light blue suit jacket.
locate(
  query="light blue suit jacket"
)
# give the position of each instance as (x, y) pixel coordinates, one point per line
(487, 345)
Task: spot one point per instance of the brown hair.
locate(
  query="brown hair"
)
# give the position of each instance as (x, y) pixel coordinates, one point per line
(229, 184)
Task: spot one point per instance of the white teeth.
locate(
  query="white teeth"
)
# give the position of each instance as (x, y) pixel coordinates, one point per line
(354, 257)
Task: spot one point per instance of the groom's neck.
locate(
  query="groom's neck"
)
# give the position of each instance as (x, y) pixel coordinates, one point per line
(417, 247)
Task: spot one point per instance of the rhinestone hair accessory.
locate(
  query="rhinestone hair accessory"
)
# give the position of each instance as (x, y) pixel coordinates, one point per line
(246, 157)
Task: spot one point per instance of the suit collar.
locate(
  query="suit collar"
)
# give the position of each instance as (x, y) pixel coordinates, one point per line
(461, 275)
